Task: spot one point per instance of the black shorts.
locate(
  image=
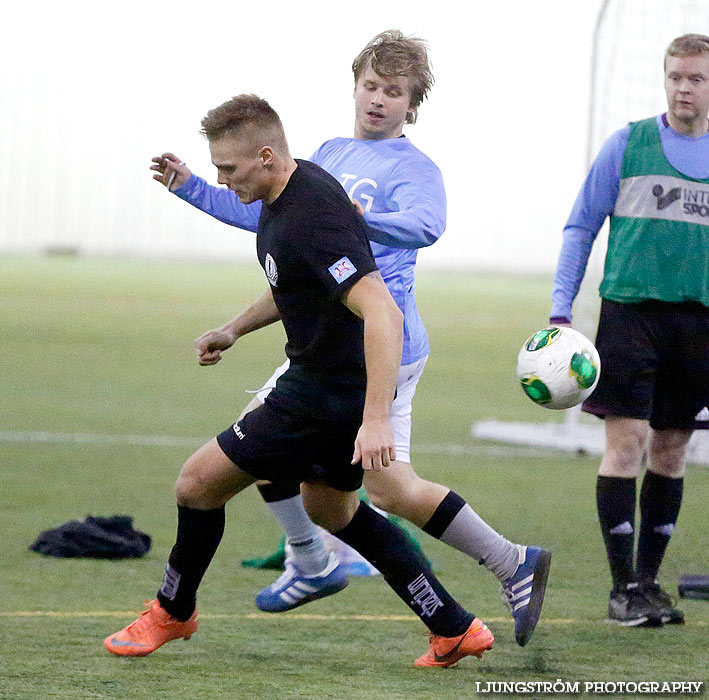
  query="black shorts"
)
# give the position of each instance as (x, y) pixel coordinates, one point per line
(654, 364)
(289, 448)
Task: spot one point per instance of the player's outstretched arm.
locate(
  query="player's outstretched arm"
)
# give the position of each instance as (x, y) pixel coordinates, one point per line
(210, 345)
(369, 299)
(218, 202)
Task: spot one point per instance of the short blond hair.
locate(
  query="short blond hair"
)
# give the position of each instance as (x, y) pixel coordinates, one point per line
(238, 113)
(688, 45)
(392, 53)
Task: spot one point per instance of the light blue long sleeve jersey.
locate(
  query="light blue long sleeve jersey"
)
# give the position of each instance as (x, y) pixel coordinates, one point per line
(401, 191)
(597, 199)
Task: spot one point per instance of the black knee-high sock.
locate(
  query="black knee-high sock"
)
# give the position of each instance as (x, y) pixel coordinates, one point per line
(660, 501)
(388, 548)
(615, 498)
(199, 533)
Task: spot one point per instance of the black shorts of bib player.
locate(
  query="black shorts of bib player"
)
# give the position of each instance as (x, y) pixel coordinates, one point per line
(655, 360)
(328, 417)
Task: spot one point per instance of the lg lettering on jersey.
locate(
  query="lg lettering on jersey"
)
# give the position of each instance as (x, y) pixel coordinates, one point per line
(342, 269)
(366, 198)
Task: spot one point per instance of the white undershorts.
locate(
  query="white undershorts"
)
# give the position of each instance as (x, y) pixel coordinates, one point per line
(400, 419)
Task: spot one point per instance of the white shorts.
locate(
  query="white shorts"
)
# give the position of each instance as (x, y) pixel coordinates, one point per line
(400, 419)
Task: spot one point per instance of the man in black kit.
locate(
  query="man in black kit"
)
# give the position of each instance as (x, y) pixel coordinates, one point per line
(328, 417)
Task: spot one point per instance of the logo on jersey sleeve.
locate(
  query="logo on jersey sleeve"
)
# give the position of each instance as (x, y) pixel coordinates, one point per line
(342, 269)
(269, 266)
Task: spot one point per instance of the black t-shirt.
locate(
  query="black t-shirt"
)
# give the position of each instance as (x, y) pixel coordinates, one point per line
(313, 246)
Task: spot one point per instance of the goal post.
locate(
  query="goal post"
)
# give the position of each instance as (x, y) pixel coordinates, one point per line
(629, 41)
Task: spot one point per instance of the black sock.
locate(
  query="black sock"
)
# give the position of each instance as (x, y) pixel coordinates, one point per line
(660, 501)
(199, 533)
(272, 493)
(388, 548)
(615, 498)
(444, 515)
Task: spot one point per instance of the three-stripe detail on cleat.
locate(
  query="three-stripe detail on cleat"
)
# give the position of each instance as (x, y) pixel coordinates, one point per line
(297, 591)
(521, 593)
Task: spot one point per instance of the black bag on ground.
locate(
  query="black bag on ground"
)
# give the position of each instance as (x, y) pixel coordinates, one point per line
(94, 537)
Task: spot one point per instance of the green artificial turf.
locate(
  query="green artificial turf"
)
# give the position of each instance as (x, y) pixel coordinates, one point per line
(103, 400)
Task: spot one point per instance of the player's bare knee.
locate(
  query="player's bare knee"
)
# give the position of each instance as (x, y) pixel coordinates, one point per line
(192, 489)
(627, 457)
(187, 491)
(667, 452)
(625, 463)
(626, 444)
(669, 457)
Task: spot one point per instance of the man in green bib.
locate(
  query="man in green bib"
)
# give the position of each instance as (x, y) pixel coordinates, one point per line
(652, 179)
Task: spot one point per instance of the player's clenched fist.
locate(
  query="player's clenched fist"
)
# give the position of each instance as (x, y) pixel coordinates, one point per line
(210, 345)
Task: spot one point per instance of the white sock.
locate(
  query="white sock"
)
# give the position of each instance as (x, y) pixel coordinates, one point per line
(303, 539)
(470, 534)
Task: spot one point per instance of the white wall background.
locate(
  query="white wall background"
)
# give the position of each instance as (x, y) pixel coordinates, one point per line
(89, 91)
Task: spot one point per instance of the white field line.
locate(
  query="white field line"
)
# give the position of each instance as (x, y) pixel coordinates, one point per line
(39, 436)
(451, 449)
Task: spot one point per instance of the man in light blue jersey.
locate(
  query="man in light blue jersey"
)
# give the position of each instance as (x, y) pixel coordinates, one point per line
(652, 179)
(399, 191)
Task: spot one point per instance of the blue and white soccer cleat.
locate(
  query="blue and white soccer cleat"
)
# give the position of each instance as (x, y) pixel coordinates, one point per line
(293, 588)
(524, 591)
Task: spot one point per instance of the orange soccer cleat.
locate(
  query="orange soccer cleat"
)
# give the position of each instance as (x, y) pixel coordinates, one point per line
(150, 631)
(448, 651)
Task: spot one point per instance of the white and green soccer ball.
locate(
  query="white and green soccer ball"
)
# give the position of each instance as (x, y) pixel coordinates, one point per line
(558, 367)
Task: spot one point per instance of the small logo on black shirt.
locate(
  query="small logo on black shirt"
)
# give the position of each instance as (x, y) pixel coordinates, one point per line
(269, 266)
(342, 269)
(664, 200)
